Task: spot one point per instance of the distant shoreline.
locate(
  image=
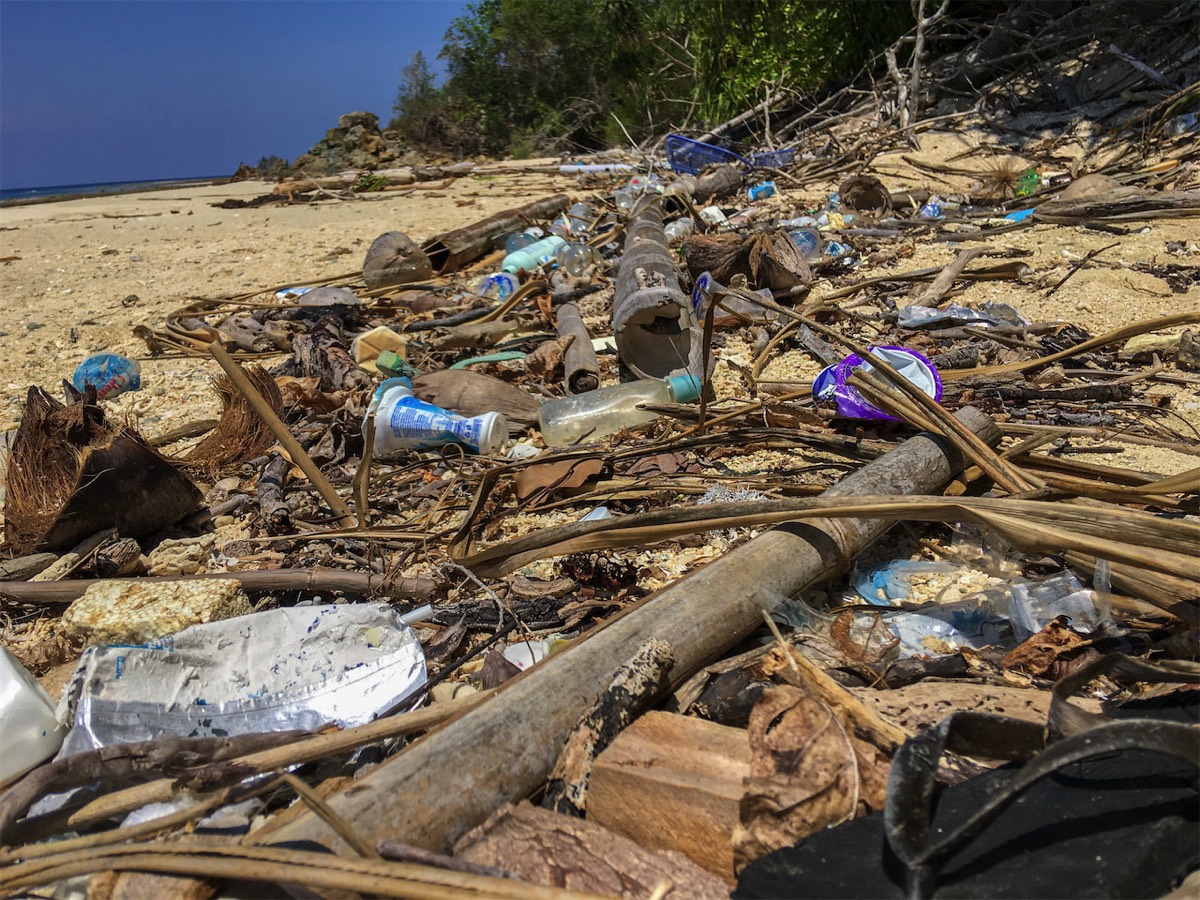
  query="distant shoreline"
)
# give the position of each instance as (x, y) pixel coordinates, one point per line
(112, 189)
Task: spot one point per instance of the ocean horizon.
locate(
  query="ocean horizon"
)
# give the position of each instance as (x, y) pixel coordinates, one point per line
(67, 191)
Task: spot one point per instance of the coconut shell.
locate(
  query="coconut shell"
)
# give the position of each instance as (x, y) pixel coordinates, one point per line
(394, 258)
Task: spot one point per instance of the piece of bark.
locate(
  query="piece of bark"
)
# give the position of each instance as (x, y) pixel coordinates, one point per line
(68, 562)
(472, 393)
(937, 289)
(1188, 356)
(671, 782)
(121, 557)
(581, 368)
(636, 683)
(547, 358)
(546, 848)
(246, 333)
(275, 512)
(322, 354)
(25, 567)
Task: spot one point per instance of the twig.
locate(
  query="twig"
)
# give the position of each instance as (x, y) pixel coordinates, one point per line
(1079, 265)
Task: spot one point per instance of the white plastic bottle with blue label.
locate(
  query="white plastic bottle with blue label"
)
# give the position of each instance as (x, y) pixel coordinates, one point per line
(402, 422)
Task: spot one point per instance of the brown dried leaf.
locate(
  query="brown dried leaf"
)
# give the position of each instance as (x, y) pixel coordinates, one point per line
(807, 771)
(547, 358)
(1054, 643)
(564, 475)
(305, 392)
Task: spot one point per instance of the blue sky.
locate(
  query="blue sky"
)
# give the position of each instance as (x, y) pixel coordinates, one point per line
(108, 90)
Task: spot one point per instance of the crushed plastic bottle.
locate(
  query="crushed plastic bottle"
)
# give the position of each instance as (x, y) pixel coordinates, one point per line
(930, 209)
(109, 374)
(402, 422)
(807, 241)
(761, 191)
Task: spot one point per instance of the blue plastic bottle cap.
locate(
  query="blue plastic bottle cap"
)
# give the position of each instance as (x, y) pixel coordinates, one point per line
(685, 388)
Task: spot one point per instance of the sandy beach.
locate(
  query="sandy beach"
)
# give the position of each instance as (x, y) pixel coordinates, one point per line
(79, 275)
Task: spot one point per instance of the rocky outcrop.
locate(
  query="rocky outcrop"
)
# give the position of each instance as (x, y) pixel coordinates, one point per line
(356, 143)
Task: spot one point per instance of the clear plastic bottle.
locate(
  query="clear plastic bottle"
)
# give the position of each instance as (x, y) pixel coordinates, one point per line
(679, 230)
(523, 239)
(588, 417)
(574, 258)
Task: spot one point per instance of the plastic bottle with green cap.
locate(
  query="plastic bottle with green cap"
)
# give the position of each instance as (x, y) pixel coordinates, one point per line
(589, 417)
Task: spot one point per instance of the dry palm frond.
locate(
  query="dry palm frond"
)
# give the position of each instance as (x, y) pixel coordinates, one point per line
(1123, 536)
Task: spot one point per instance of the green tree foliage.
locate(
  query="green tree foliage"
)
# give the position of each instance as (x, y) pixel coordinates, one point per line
(552, 75)
(419, 109)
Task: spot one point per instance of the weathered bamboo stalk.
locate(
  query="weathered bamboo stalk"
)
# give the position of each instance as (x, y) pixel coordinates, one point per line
(505, 749)
(657, 332)
(581, 368)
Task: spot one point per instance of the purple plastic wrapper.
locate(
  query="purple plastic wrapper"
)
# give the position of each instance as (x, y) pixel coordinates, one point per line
(831, 384)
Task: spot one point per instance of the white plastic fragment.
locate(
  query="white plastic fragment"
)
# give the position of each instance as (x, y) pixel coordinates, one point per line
(29, 730)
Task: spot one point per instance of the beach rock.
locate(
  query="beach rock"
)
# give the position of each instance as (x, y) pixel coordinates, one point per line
(131, 612)
(356, 143)
(182, 557)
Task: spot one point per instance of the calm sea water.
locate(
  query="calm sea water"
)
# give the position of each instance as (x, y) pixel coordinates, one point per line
(60, 191)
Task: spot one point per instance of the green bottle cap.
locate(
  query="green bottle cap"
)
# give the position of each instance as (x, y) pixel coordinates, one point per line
(685, 388)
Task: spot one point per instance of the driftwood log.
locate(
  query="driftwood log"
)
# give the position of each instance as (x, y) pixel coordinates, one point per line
(455, 249)
(276, 514)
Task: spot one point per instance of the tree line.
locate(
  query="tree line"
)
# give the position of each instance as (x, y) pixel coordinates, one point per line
(526, 77)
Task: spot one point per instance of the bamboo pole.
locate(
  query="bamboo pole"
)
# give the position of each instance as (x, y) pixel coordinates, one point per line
(433, 792)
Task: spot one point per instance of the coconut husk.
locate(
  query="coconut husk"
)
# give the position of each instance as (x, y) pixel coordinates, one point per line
(722, 255)
(471, 394)
(72, 474)
(776, 263)
(241, 434)
(766, 260)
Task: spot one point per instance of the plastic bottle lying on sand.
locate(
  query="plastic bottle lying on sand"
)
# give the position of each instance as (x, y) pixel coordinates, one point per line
(595, 414)
(402, 422)
(529, 258)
